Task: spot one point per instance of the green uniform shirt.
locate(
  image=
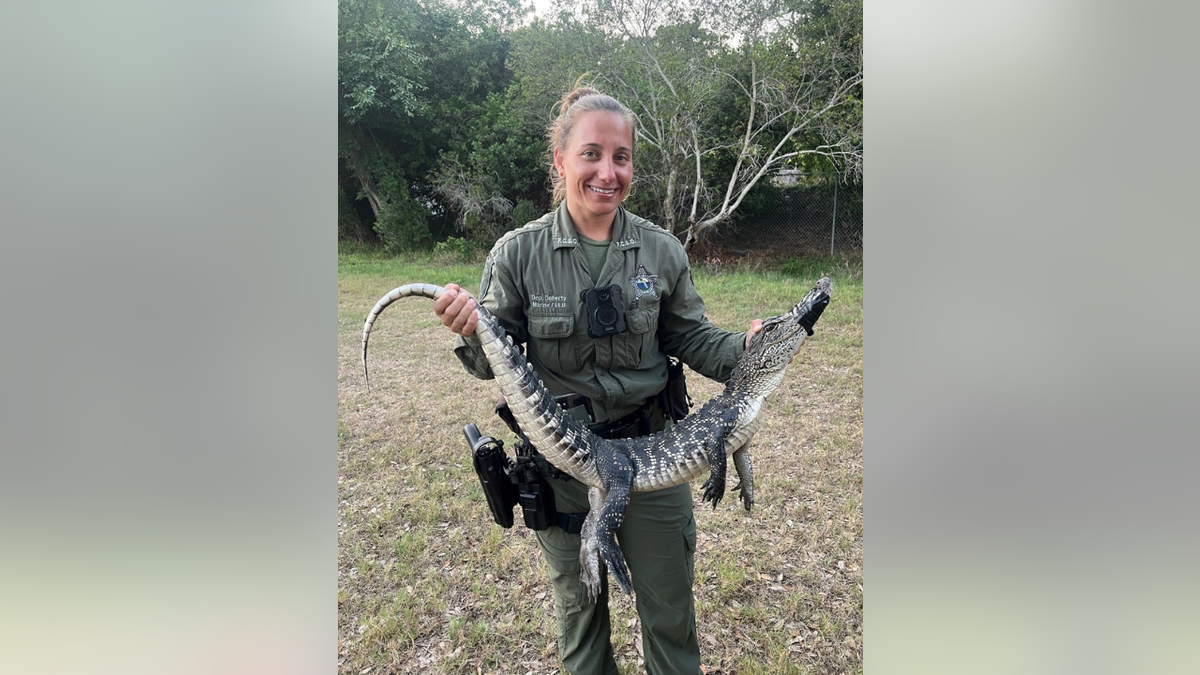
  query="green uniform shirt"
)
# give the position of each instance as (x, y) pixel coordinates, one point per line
(532, 282)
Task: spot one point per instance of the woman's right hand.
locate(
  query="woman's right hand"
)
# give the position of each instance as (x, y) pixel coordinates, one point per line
(456, 309)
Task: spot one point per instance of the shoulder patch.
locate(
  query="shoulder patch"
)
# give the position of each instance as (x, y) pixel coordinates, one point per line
(642, 223)
(486, 281)
(533, 226)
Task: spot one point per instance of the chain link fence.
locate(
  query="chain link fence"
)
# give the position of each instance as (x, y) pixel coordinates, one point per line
(802, 214)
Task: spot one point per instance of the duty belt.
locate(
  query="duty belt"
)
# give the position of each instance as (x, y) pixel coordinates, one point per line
(640, 422)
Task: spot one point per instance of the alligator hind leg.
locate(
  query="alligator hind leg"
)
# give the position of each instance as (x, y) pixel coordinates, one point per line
(599, 534)
(607, 521)
(589, 549)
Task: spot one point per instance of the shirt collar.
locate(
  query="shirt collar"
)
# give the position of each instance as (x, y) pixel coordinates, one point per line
(565, 235)
(625, 235)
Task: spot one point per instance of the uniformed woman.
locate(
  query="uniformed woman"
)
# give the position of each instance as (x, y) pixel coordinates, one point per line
(600, 298)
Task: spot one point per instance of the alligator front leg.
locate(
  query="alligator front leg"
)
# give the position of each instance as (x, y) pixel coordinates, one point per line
(745, 472)
(714, 487)
(714, 451)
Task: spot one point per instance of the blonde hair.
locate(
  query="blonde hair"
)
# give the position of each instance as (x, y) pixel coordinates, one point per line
(579, 101)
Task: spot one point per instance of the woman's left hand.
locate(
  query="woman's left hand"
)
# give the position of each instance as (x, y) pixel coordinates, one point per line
(755, 326)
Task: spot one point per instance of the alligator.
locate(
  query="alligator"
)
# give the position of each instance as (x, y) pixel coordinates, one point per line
(612, 468)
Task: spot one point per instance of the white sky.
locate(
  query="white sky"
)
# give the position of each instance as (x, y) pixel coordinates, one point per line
(542, 7)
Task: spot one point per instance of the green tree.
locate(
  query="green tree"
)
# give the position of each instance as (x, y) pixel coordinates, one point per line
(505, 159)
(379, 79)
(413, 77)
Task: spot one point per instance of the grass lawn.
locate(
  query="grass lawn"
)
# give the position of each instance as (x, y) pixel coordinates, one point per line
(428, 584)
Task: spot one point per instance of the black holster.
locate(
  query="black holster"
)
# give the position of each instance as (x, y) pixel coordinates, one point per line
(506, 483)
(533, 490)
(674, 398)
(492, 465)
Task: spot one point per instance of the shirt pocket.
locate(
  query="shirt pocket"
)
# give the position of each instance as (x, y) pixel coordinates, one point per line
(640, 338)
(551, 344)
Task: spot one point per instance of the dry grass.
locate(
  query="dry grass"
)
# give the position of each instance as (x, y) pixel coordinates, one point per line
(428, 584)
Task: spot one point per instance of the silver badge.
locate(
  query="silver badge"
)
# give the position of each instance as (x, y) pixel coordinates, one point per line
(643, 282)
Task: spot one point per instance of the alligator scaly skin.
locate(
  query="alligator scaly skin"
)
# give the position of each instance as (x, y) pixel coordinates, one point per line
(613, 468)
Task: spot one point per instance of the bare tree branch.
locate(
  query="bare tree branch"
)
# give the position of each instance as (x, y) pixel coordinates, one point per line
(793, 77)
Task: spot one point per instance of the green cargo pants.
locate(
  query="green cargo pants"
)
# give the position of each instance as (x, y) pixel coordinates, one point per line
(658, 538)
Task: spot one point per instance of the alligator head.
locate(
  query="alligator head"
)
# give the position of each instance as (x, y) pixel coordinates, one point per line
(761, 366)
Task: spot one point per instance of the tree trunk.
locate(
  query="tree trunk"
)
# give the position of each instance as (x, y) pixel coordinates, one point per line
(667, 209)
(368, 185)
(369, 189)
(689, 240)
(689, 236)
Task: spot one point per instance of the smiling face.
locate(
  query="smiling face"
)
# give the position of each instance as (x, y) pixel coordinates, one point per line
(597, 168)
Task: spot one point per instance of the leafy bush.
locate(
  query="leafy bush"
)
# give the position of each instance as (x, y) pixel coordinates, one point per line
(403, 224)
(457, 249)
(524, 212)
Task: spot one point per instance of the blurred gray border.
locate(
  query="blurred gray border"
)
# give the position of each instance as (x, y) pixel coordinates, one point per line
(169, 290)
(1030, 363)
(169, 282)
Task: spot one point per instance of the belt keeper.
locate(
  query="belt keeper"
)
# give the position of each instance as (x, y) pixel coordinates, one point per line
(571, 523)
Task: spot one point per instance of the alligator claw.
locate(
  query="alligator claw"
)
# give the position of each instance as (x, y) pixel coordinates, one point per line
(714, 490)
(590, 576)
(714, 487)
(616, 565)
(744, 494)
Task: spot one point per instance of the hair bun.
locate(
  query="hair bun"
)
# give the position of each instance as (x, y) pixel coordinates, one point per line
(573, 96)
